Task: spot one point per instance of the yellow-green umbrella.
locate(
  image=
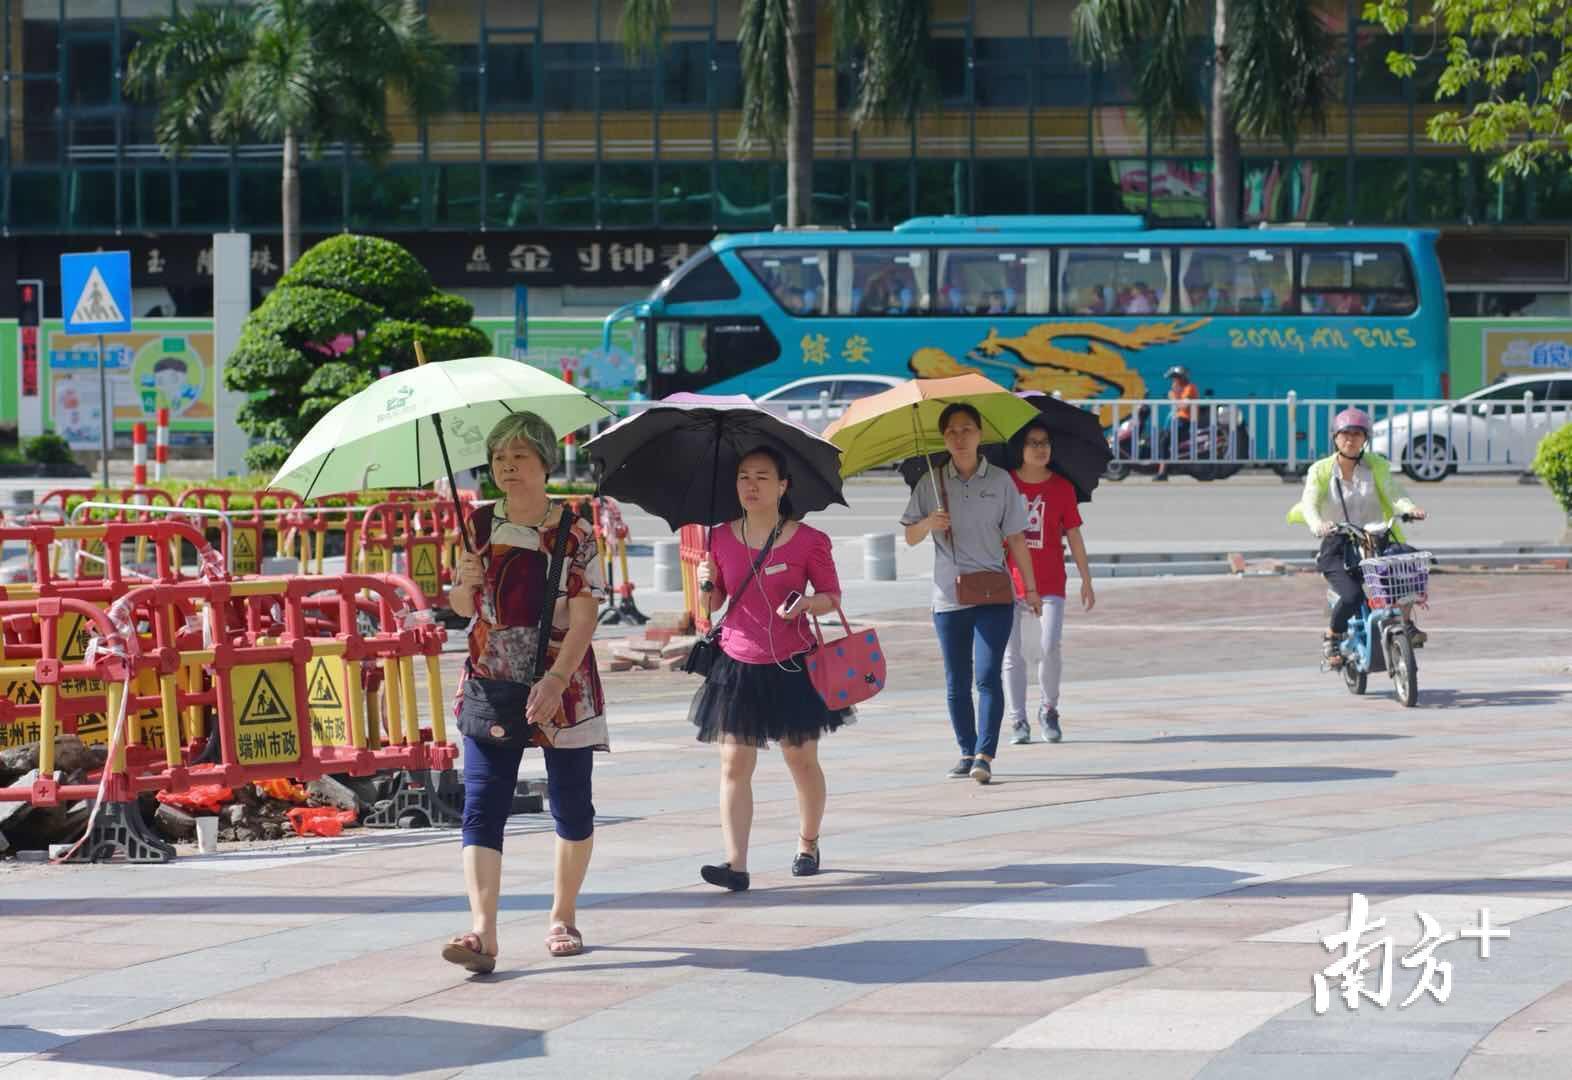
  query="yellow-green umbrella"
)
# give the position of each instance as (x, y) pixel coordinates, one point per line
(903, 421)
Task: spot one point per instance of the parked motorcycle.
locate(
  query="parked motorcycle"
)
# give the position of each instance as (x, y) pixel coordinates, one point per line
(1213, 448)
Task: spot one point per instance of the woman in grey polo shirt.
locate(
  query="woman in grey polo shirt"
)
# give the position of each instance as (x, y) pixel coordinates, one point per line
(977, 513)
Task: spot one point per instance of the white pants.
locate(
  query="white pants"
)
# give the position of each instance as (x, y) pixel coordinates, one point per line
(1050, 662)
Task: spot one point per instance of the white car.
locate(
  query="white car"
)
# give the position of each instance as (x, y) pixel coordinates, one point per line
(1490, 430)
(816, 400)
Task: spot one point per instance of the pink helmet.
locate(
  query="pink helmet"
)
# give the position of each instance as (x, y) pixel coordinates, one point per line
(1352, 420)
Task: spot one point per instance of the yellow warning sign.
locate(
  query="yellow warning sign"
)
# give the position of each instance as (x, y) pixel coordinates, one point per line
(73, 633)
(20, 731)
(375, 559)
(423, 569)
(91, 567)
(262, 699)
(244, 560)
(325, 702)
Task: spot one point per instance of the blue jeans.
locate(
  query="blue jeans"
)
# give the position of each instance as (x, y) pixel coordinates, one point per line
(981, 633)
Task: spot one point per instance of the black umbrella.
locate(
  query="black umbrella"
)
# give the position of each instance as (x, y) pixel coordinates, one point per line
(1080, 450)
(678, 458)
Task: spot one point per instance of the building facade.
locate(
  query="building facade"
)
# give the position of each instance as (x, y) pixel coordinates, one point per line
(565, 164)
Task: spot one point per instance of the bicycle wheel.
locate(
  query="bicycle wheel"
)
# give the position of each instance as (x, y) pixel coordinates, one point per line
(1405, 672)
(1353, 678)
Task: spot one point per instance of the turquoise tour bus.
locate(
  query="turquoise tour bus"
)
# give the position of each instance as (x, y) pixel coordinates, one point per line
(1091, 307)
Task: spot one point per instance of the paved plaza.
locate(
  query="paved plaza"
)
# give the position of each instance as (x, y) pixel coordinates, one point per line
(1143, 900)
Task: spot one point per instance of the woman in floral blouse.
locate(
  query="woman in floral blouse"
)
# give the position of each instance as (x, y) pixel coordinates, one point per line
(501, 587)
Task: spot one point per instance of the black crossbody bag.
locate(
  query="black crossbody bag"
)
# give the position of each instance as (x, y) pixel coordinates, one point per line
(492, 710)
(702, 656)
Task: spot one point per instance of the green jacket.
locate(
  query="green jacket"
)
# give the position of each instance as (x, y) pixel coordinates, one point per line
(1318, 490)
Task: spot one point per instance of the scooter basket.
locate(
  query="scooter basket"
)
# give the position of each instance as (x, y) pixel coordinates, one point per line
(1392, 580)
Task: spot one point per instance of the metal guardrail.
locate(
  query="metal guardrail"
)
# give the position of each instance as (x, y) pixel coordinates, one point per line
(1429, 437)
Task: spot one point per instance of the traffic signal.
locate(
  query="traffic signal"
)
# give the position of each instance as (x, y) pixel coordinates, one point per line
(29, 302)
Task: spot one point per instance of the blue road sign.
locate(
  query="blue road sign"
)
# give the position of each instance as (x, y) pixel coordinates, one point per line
(520, 321)
(95, 292)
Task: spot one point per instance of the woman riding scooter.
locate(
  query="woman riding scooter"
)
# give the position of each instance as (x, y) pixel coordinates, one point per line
(1355, 487)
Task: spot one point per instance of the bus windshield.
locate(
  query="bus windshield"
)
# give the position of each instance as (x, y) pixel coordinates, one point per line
(1089, 308)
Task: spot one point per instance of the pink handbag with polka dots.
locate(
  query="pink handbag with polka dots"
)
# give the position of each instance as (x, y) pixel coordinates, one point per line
(847, 670)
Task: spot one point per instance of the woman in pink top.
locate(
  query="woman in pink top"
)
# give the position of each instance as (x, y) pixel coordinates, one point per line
(758, 691)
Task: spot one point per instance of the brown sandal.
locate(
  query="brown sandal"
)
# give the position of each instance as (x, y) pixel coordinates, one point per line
(470, 957)
(564, 940)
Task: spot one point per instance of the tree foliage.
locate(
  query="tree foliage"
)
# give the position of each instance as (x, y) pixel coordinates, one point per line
(1274, 60)
(350, 307)
(1508, 65)
(296, 71)
(887, 41)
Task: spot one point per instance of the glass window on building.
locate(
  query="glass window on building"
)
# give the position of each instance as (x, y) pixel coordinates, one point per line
(510, 76)
(1497, 304)
(1003, 186)
(950, 67)
(884, 191)
(1062, 80)
(685, 74)
(1235, 281)
(881, 281)
(744, 198)
(994, 281)
(1114, 281)
(797, 278)
(90, 198)
(1060, 186)
(1355, 281)
(1003, 75)
(569, 76)
(465, 96)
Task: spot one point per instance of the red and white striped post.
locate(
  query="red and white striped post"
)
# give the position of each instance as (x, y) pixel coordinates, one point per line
(161, 447)
(570, 455)
(139, 455)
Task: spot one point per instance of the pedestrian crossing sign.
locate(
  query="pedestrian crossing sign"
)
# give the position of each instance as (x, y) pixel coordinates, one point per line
(95, 292)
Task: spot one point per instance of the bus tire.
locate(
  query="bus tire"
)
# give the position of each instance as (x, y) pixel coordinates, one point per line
(1428, 459)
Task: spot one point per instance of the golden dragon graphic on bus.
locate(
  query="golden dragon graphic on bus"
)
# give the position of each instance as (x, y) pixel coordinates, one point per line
(1037, 360)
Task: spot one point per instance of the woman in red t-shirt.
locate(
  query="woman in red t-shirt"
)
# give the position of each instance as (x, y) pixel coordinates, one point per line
(1051, 513)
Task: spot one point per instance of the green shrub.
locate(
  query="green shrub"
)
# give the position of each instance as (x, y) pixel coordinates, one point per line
(366, 296)
(1553, 464)
(48, 449)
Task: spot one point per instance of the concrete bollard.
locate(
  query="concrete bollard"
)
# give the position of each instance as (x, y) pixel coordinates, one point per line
(668, 568)
(878, 557)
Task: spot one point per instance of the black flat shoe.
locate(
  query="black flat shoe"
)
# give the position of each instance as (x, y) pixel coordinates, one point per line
(806, 864)
(724, 876)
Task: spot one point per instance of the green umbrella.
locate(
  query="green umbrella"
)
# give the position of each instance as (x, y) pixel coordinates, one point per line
(415, 426)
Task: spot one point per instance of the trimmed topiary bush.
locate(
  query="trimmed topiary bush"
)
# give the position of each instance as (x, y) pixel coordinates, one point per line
(352, 306)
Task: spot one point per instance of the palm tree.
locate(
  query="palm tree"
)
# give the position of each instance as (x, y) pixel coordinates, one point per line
(313, 71)
(1270, 71)
(778, 43)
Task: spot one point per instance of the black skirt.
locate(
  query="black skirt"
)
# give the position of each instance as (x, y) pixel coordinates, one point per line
(758, 704)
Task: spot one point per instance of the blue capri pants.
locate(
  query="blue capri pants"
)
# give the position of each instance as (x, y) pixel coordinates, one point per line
(491, 775)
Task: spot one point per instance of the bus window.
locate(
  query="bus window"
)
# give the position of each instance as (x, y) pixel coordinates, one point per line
(668, 347)
(798, 279)
(1235, 280)
(993, 281)
(1113, 281)
(1355, 281)
(694, 358)
(881, 281)
(702, 277)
